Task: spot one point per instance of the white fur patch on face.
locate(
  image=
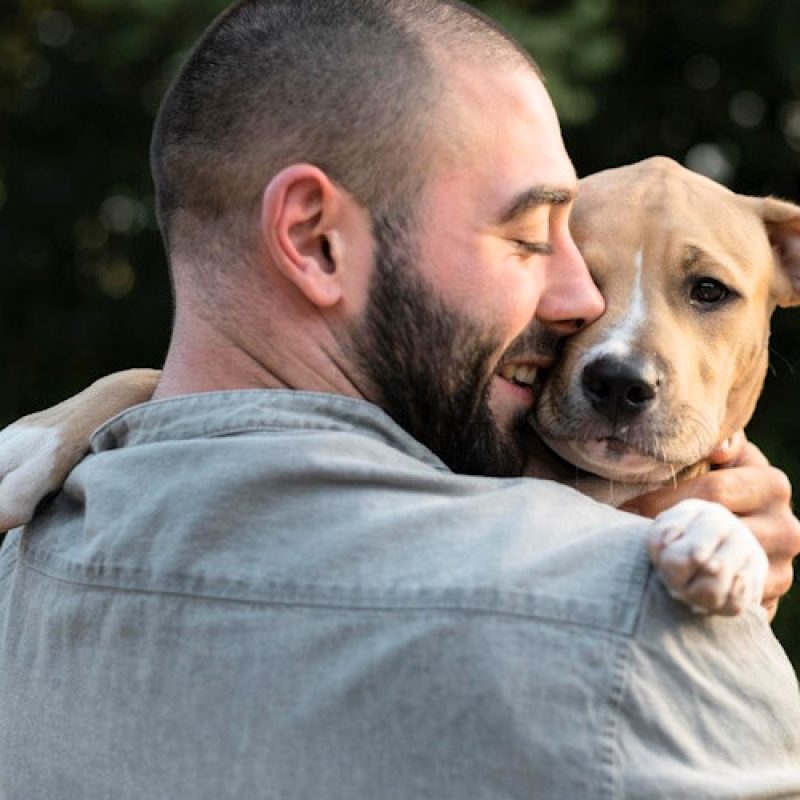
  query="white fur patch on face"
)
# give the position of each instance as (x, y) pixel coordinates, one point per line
(28, 471)
(619, 339)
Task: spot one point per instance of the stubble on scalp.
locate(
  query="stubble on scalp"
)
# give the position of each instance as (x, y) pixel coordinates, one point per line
(354, 87)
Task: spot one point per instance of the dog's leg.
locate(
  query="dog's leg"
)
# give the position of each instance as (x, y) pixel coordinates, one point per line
(708, 558)
(38, 451)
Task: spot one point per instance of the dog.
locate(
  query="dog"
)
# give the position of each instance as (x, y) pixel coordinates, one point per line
(691, 273)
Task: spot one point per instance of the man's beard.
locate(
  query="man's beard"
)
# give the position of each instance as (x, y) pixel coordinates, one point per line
(431, 367)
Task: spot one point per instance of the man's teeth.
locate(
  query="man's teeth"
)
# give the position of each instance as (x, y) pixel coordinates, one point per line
(519, 374)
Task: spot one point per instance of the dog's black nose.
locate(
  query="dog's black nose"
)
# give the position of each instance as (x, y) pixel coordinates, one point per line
(618, 389)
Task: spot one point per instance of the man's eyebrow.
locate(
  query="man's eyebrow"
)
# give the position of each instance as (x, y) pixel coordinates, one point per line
(533, 198)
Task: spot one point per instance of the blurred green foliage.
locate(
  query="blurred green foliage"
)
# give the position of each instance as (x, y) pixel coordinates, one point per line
(83, 282)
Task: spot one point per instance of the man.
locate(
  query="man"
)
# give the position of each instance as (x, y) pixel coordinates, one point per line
(294, 593)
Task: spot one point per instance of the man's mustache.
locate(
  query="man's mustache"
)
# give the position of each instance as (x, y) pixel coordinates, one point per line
(536, 341)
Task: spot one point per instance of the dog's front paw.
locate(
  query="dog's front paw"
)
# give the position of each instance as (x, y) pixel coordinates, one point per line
(30, 468)
(708, 558)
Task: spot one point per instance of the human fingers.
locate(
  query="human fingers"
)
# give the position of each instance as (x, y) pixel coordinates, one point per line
(778, 532)
(779, 535)
(738, 452)
(742, 490)
(729, 450)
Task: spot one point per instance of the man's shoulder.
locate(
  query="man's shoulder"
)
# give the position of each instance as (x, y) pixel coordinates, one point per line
(321, 501)
(376, 548)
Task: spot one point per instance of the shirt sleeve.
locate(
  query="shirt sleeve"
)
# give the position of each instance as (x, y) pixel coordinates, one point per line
(710, 709)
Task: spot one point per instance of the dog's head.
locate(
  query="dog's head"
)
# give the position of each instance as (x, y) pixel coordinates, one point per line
(691, 273)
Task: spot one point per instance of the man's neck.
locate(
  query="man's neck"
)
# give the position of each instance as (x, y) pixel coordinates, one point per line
(202, 358)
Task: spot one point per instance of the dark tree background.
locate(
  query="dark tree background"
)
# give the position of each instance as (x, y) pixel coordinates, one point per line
(83, 283)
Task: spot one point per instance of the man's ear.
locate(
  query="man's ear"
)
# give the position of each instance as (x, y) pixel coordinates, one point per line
(782, 220)
(299, 213)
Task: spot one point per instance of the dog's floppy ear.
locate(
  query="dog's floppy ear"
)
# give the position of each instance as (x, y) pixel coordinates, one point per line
(782, 220)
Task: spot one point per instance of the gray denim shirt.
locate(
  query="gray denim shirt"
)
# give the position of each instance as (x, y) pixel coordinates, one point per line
(282, 595)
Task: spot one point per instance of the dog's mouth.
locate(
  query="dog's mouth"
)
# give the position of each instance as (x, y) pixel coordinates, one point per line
(615, 447)
(614, 457)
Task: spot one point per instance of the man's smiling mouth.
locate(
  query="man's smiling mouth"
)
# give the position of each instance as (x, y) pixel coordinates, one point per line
(519, 374)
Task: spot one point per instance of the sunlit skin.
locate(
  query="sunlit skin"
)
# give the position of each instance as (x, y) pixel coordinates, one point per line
(507, 270)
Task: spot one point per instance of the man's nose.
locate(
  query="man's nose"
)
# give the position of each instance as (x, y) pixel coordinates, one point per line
(570, 300)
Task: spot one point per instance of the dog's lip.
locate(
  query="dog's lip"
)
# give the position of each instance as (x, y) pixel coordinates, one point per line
(616, 444)
(621, 442)
(620, 446)
(617, 459)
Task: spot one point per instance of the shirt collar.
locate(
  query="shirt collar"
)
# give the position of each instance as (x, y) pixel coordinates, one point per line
(234, 412)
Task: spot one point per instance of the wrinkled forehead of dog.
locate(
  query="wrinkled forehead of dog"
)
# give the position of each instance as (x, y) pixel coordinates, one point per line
(695, 218)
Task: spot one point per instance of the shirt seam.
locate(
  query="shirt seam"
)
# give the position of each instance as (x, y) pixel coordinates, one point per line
(609, 738)
(620, 673)
(468, 608)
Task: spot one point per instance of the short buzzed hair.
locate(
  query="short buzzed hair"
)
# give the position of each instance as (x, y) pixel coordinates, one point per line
(350, 86)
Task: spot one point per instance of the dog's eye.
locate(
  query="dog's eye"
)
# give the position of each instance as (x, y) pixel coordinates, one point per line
(709, 291)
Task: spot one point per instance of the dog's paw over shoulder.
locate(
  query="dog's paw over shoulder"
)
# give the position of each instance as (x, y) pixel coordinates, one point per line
(29, 470)
(708, 558)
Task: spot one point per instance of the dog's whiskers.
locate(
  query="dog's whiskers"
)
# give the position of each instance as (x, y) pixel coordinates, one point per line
(698, 428)
(783, 358)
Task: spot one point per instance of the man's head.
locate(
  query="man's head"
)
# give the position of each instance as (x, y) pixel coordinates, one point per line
(371, 197)
(350, 86)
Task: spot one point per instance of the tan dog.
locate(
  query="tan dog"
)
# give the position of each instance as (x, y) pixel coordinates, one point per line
(691, 274)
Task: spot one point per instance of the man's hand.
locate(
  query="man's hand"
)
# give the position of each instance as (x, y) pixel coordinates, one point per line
(759, 494)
